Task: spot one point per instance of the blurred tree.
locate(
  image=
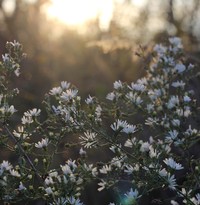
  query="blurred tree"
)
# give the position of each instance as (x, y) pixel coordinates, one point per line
(57, 52)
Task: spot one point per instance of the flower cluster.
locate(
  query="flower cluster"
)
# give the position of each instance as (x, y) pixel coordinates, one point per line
(148, 131)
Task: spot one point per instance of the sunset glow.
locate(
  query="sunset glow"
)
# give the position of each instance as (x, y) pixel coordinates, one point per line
(78, 12)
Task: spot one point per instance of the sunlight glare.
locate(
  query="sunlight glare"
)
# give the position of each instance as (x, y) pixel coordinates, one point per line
(77, 12)
(139, 3)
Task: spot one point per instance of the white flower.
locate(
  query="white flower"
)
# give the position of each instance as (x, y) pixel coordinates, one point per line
(32, 113)
(172, 135)
(53, 173)
(42, 143)
(21, 187)
(6, 58)
(130, 142)
(89, 100)
(176, 122)
(17, 73)
(132, 195)
(98, 111)
(119, 125)
(190, 67)
(137, 87)
(167, 148)
(115, 148)
(160, 49)
(111, 96)
(60, 201)
(8, 110)
(5, 165)
(185, 192)
(69, 168)
(48, 181)
(173, 101)
(197, 198)
(190, 131)
(174, 202)
(118, 161)
(74, 201)
(57, 110)
(15, 43)
(134, 98)
(82, 152)
(180, 68)
(130, 129)
(66, 169)
(49, 190)
(171, 163)
(186, 112)
(91, 169)
(26, 120)
(89, 139)
(105, 169)
(178, 84)
(55, 91)
(144, 147)
(150, 107)
(169, 60)
(171, 182)
(186, 98)
(117, 85)
(69, 94)
(72, 164)
(154, 94)
(176, 41)
(151, 121)
(142, 81)
(14, 173)
(153, 153)
(20, 133)
(102, 185)
(128, 169)
(65, 85)
(162, 172)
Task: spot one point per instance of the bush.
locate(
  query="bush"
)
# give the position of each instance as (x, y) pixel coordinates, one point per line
(148, 131)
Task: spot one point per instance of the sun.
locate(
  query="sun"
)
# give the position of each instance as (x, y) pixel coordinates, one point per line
(78, 12)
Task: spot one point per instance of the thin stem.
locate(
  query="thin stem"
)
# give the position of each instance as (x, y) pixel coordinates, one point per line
(22, 151)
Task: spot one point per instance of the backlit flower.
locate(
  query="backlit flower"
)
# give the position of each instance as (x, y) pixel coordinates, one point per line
(132, 195)
(42, 143)
(111, 96)
(49, 191)
(69, 94)
(119, 125)
(117, 84)
(14, 173)
(21, 187)
(180, 68)
(32, 113)
(102, 185)
(171, 163)
(171, 182)
(5, 165)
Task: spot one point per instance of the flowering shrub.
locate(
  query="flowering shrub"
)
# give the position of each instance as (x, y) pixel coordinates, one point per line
(148, 128)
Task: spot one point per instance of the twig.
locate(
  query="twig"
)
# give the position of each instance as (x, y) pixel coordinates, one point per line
(22, 150)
